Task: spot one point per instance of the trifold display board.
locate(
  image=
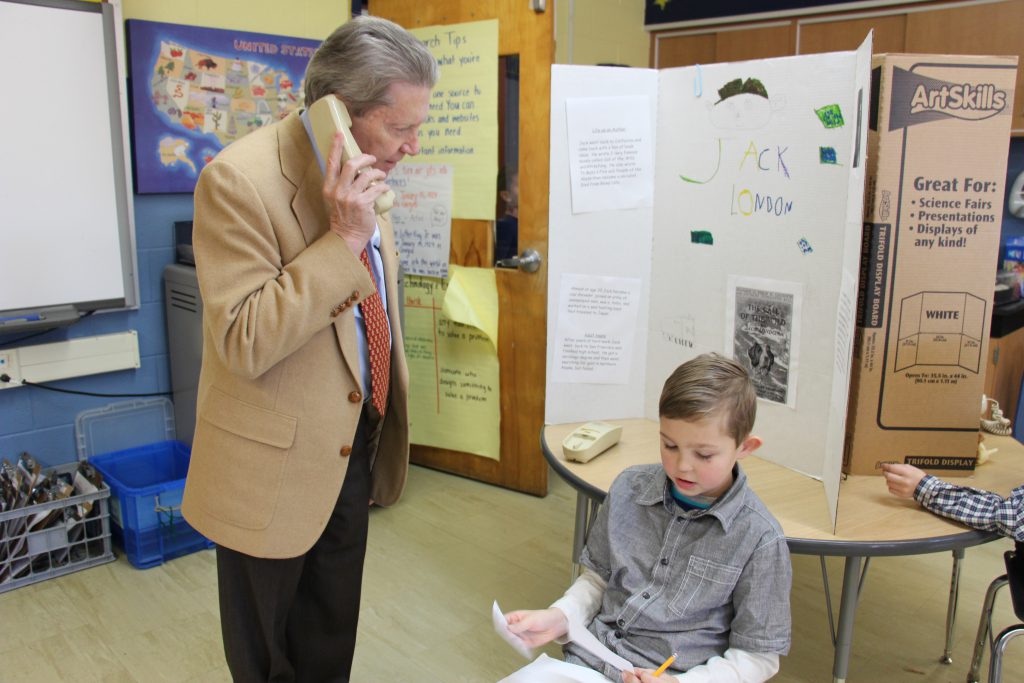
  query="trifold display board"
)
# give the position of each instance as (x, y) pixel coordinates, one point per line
(710, 208)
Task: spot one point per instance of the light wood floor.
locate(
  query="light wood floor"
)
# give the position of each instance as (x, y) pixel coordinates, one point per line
(435, 563)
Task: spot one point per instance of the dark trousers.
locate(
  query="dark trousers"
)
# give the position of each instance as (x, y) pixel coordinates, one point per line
(295, 619)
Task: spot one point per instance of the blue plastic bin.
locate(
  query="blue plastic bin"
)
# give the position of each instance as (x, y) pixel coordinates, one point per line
(146, 485)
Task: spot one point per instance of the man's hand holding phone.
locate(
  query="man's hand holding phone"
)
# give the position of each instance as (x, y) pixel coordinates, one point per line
(350, 190)
(353, 190)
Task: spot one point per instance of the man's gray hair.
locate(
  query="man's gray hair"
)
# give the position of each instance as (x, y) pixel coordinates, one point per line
(362, 58)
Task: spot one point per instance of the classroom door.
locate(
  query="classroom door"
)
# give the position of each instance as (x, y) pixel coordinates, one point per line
(522, 296)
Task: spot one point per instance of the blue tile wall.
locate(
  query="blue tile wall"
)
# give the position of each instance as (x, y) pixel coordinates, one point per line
(42, 422)
(50, 446)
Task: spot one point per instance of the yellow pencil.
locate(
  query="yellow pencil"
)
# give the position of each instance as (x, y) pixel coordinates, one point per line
(661, 669)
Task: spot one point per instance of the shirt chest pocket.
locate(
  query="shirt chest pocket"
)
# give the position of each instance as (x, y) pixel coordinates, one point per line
(705, 586)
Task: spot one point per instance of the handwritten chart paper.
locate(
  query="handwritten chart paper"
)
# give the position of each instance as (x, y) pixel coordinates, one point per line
(610, 153)
(422, 216)
(451, 347)
(462, 126)
(596, 319)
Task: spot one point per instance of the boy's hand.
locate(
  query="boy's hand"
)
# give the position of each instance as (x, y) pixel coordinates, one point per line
(646, 676)
(538, 627)
(902, 480)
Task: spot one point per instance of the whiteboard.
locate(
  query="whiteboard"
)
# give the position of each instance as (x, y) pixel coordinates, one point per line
(65, 214)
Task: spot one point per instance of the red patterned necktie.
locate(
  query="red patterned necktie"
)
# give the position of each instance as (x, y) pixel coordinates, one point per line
(378, 341)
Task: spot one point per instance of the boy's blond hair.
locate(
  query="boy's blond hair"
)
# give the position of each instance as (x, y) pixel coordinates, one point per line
(711, 385)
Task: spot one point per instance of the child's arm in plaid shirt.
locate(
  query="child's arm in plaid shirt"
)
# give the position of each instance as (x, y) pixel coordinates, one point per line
(974, 507)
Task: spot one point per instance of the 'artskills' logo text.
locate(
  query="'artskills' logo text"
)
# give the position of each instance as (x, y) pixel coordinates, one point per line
(962, 101)
(918, 99)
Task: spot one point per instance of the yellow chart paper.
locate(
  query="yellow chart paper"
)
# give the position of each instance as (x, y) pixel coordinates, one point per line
(462, 127)
(451, 336)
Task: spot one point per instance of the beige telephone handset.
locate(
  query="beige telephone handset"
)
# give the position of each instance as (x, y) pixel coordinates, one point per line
(328, 115)
(588, 441)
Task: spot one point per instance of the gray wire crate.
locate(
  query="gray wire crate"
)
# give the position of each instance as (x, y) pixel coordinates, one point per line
(28, 556)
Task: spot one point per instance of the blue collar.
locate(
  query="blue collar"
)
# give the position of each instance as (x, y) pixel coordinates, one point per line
(725, 508)
(688, 503)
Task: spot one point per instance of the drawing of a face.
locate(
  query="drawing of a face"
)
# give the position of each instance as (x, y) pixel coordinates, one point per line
(741, 112)
(742, 105)
(438, 216)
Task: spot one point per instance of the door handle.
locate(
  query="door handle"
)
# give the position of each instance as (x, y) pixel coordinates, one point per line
(529, 261)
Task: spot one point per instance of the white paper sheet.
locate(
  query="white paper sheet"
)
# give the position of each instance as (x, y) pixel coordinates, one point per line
(422, 216)
(501, 628)
(596, 327)
(578, 634)
(544, 669)
(611, 153)
(845, 321)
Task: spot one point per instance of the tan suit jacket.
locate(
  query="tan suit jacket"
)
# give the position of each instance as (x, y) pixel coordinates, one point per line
(279, 394)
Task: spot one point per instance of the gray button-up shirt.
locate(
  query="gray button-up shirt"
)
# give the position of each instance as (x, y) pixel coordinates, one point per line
(691, 582)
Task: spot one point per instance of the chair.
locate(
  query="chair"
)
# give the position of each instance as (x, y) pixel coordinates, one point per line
(1014, 576)
(1018, 416)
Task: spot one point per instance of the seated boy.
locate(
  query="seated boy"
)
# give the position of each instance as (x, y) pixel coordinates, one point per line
(683, 557)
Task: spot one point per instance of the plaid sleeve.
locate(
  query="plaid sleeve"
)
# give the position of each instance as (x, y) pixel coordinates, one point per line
(976, 508)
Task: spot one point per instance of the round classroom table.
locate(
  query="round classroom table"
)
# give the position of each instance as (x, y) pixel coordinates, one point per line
(869, 522)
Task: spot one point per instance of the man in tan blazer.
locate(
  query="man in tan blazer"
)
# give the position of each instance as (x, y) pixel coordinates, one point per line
(291, 445)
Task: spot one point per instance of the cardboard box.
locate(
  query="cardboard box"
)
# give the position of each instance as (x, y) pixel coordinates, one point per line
(937, 148)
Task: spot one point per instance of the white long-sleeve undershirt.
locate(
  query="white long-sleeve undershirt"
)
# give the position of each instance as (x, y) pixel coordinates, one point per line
(582, 601)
